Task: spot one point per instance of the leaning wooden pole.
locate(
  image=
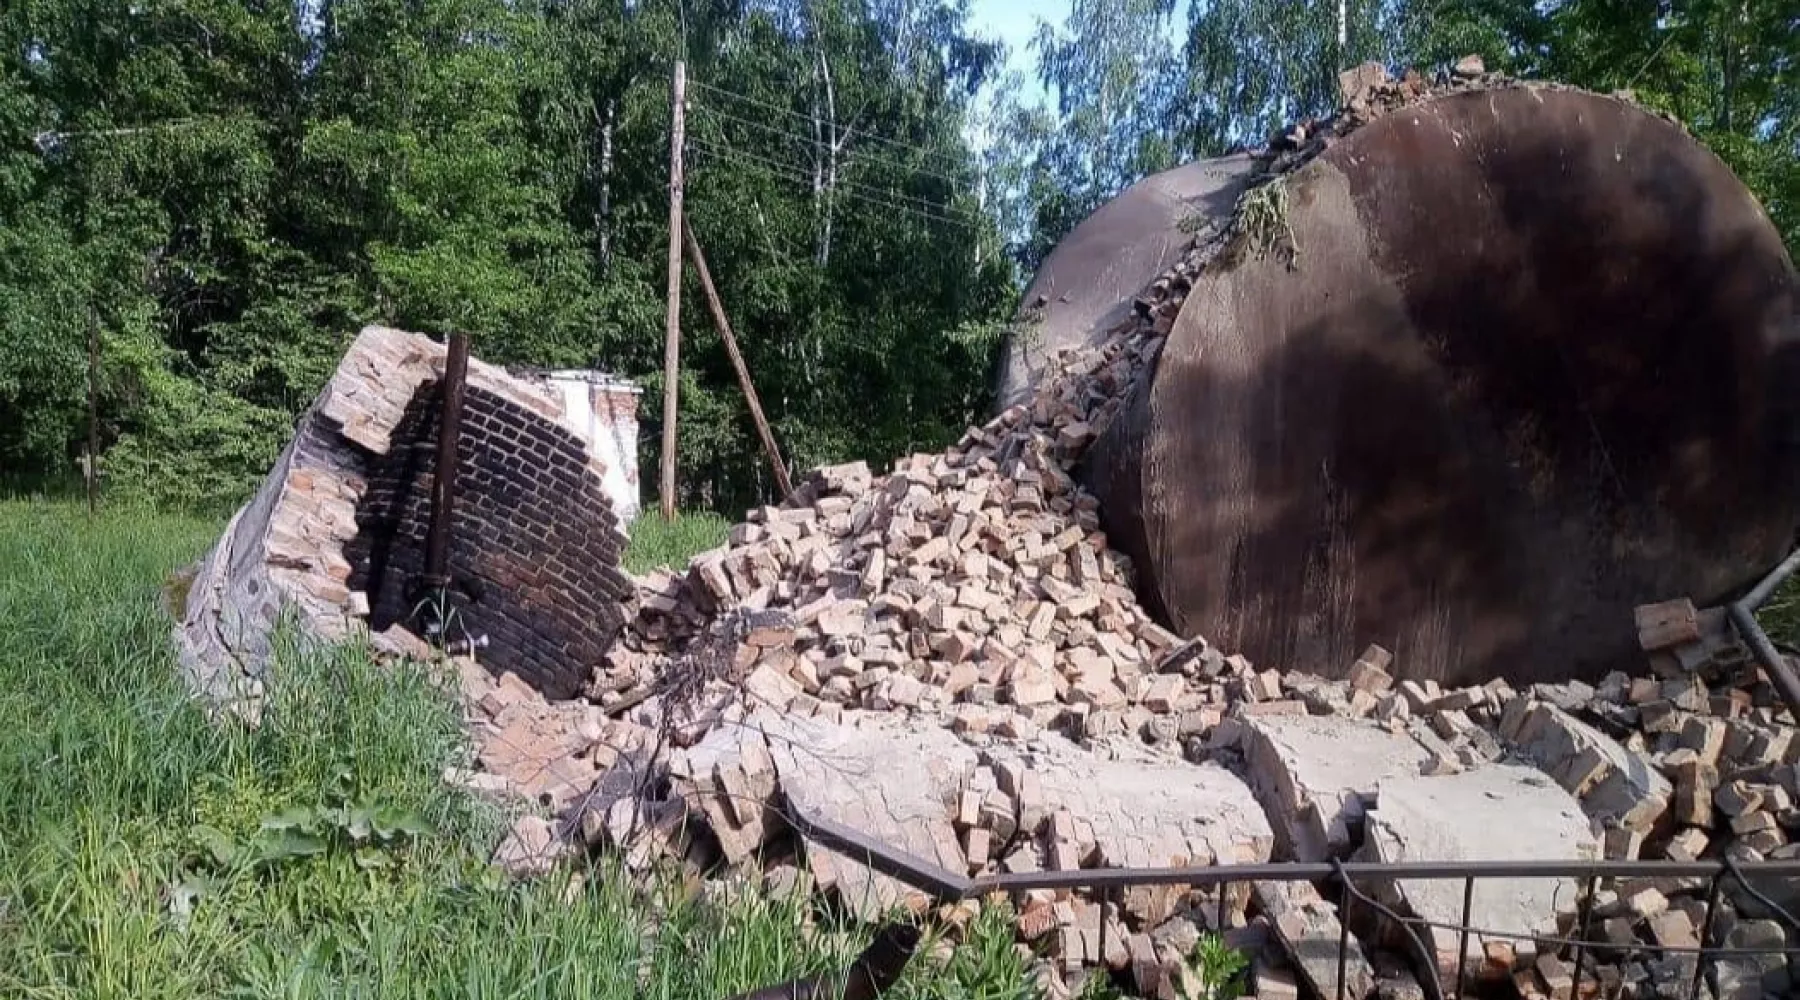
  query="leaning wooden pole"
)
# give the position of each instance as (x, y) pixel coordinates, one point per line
(92, 469)
(672, 330)
(737, 362)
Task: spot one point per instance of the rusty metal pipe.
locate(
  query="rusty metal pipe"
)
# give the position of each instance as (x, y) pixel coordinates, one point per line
(947, 886)
(443, 485)
(1743, 618)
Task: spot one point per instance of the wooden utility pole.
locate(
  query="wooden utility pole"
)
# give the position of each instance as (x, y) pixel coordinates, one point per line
(92, 469)
(737, 362)
(672, 332)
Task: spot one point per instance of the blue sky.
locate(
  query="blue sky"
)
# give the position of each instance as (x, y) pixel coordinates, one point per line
(1014, 22)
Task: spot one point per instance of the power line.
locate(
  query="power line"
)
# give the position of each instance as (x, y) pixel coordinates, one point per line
(717, 146)
(790, 112)
(844, 189)
(794, 175)
(840, 182)
(867, 135)
(923, 206)
(808, 140)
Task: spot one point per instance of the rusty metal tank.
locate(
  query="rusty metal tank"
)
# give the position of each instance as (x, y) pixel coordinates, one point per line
(1535, 360)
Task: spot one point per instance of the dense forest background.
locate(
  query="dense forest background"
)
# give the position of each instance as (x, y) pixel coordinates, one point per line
(229, 189)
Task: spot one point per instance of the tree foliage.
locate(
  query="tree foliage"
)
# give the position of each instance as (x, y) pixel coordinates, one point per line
(229, 189)
(233, 187)
(1245, 68)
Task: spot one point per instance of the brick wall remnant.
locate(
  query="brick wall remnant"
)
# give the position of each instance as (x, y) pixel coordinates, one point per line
(533, 556)
(535, 544)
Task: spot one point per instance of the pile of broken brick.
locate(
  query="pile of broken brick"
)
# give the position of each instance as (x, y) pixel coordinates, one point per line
(1696, 760)
(1368, 92)
(950, 658)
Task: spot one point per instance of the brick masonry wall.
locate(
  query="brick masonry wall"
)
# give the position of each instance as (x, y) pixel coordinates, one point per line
(534, 552)
(535, 548)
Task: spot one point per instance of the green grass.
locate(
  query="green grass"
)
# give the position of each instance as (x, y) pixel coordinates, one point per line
(1781, 616)
(146, 854)
(658, 543)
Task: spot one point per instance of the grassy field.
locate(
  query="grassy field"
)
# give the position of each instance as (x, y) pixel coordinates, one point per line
(656, 542)
(1781, 616)
(146, 854)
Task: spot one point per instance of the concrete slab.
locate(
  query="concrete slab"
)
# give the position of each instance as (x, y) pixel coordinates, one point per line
(1049, 802)
(1501, 812)
(1313, 774)
(1150, 809)
(896, 781)
(1141, 810)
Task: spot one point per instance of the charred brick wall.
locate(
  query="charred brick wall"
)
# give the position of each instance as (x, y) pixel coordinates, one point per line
(534, 545)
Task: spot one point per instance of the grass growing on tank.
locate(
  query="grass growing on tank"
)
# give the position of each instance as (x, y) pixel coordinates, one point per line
(1263, 222)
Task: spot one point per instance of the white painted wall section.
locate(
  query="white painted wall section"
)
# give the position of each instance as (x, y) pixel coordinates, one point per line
(603, 410)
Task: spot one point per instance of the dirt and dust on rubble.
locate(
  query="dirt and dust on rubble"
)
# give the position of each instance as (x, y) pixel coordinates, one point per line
(951, 658)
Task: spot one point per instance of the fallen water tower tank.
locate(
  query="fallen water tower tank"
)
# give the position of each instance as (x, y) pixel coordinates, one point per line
(1534, 360)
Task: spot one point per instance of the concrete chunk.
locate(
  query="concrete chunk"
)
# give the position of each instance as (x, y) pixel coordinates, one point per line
(1323, 765)
(1308, 929)
(846, 774)
(1499, 812)
(1148, 810)
(1616, 784)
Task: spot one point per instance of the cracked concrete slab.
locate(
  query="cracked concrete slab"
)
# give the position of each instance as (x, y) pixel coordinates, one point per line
(1314, 774)
(895, 782)
(1139, 810)
(1012, 807)
(1500, 812)
(1149, 810)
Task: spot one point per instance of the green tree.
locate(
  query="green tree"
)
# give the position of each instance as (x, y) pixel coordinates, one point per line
(1114, 72)
(154, 127)
(235, 187)
(1724, 67)
(1255, 67)
(832, 187)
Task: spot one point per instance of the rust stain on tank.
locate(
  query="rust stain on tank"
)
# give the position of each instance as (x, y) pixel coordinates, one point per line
(1547, 350)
